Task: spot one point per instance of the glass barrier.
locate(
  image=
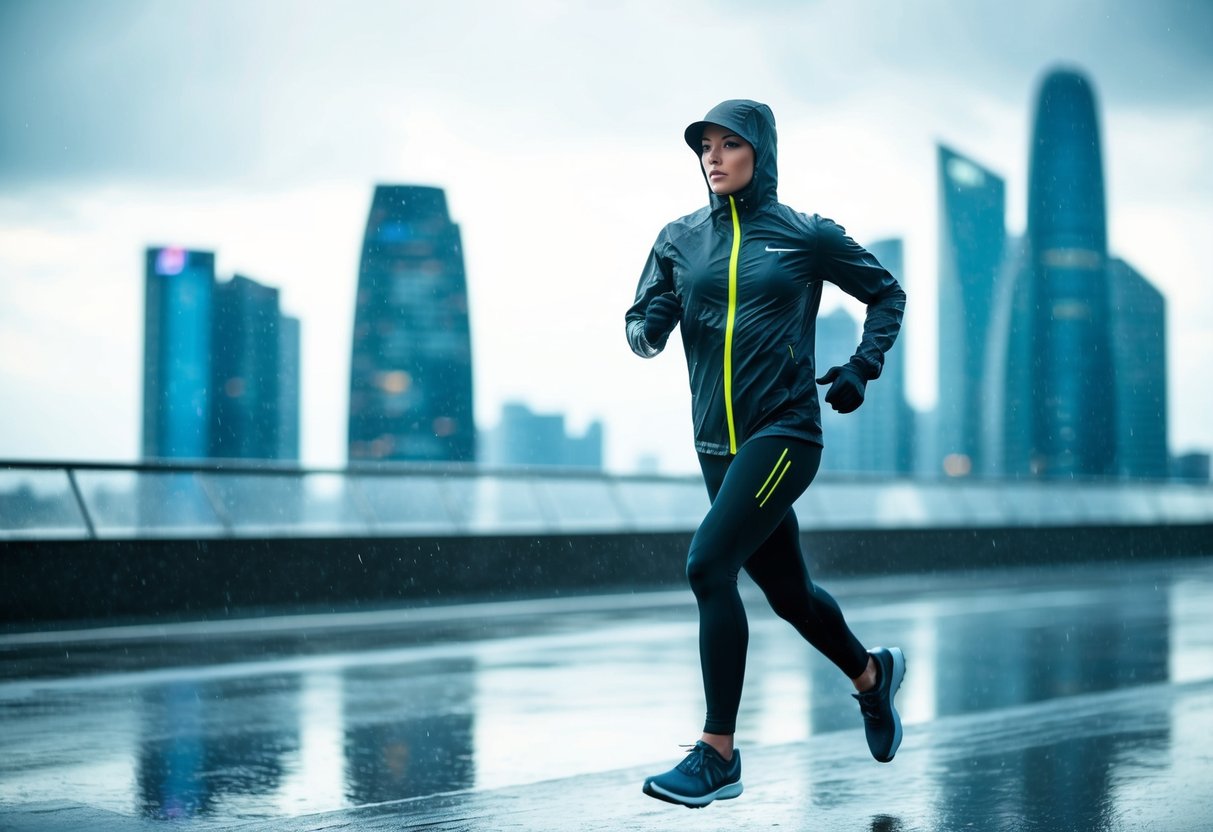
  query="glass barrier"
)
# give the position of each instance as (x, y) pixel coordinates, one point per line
(581, 504)
(488, 503)
(126, 504)
(662, 505)
(285, 505)
(837, 505)
(39, 504)
(116, 502)
(900, 504)
(1099, 503)
(965, 506)
(1041, 504)
(1186, 504)
(418, 504)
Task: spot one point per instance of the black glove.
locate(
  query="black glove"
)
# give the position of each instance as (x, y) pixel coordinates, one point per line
(661, 316)
(846, 387)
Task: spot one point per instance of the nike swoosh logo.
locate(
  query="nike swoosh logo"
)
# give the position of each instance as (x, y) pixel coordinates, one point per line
(769, 248)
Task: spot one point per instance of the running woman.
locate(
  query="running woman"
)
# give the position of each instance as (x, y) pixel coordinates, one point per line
(743, 277)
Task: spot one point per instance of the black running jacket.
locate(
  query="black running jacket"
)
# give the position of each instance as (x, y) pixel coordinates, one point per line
(748, 273)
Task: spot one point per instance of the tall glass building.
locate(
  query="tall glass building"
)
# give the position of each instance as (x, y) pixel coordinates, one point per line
(885, 422)
(972, 234)
(411, 367)
(1054, 381)
(246, 366)
(289, 359)
(1008, 385)
(837, 337)
(1074, 419)
(1139, 353)
(524, 437)
(179, 293)
(878, 437)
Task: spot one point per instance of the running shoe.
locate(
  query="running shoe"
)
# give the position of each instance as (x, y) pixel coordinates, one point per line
(880, 719)
(703, 776)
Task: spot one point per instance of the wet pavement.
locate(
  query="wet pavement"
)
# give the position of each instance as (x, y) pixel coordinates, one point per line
(1047, 699)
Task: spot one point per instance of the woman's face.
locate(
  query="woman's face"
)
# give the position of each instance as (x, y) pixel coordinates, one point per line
(728, 160)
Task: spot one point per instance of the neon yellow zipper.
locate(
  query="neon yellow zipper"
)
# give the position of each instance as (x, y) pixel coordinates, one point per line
(728, 327)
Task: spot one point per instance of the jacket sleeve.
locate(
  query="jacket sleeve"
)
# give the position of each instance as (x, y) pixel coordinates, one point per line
(656, 279)
(856, 271)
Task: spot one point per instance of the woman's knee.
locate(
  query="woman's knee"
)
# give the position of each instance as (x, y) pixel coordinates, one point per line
(706, 572)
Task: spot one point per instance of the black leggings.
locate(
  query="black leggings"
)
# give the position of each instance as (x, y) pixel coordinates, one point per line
(751, 524)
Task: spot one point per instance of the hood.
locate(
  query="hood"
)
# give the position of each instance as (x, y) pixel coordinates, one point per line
(755, 123)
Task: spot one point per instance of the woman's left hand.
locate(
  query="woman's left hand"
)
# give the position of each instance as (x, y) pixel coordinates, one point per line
(846, 388)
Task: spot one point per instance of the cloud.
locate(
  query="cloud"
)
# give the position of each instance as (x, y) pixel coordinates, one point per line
(270, 92)
(1149, 55)
(259, 130)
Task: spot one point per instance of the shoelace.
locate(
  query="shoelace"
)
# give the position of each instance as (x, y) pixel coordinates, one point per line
(693, 762)
(869, 704)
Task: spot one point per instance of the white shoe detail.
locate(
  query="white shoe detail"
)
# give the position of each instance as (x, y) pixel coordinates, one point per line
(725, 792)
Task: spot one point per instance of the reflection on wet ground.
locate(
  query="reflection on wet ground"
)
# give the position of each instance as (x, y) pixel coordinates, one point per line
(1073, 698)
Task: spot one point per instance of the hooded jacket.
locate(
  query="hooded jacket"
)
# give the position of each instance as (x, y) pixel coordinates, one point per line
(748, 273)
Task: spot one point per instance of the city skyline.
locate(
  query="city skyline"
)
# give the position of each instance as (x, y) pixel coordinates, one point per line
(558, 202)
(220, 363)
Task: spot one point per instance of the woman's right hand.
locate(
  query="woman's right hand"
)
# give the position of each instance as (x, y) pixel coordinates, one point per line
(661, 316)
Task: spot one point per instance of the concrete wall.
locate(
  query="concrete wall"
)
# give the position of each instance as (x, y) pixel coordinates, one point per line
(60, 582)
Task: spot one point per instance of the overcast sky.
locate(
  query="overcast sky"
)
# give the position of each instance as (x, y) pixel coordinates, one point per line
(258, 130)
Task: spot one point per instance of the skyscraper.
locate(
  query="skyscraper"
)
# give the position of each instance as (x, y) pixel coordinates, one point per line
(884, 422)
(1074, 431)
(837, 337)
(179, 292)
(1010, 368)
(527, 438)
(1139, 353)
(245, 368)
(289, 357)
(972, 223)
(411, 367)
(524, 437)
(1055, 328)
(585, 451)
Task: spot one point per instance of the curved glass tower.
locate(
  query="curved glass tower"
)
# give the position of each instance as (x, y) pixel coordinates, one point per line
(411, 371)
(1073, 425)
(972, 234)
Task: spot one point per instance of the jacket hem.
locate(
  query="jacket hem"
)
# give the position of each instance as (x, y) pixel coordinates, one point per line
(715, 449)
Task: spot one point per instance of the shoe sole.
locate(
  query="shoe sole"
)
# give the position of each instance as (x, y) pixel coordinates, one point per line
(899, 673)
(725, 792)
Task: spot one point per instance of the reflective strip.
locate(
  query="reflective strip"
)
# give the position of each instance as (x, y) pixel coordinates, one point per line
(728, 327)
(776, 485)
(771, 475)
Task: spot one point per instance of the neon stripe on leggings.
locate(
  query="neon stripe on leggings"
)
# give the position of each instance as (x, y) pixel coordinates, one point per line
(771, 476)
